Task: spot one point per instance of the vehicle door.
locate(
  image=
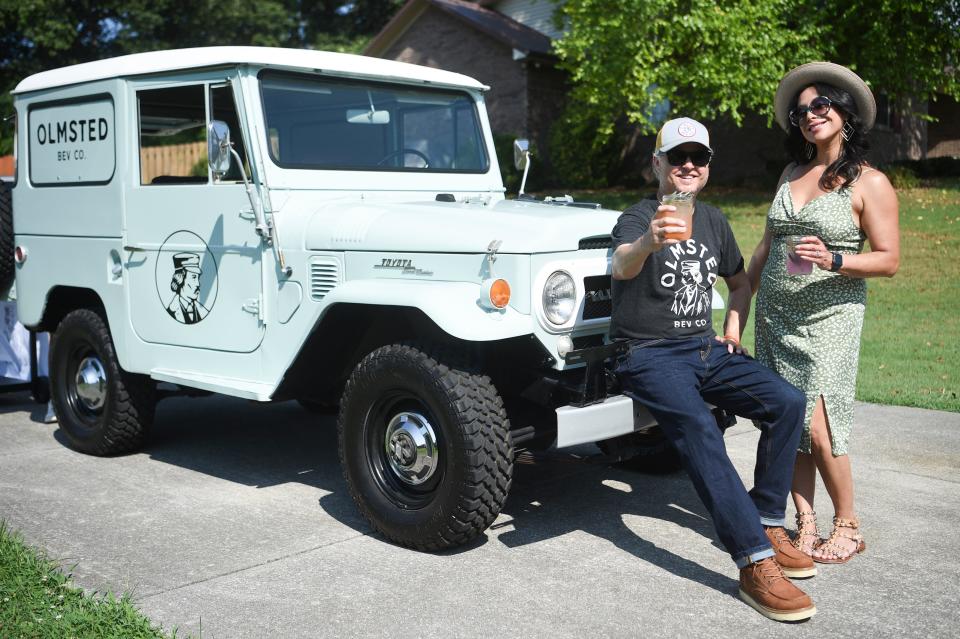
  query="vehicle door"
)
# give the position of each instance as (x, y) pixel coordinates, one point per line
(194, 260)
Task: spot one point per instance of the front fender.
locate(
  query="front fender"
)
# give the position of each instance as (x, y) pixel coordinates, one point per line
(453, 306)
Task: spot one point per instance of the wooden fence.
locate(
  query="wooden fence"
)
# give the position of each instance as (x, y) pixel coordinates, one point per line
(174, 159)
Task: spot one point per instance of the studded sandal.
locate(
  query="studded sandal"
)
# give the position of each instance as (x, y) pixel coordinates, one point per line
(834, 553)
(808, 535)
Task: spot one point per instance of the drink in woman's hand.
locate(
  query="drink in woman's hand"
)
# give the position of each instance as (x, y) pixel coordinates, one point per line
(796, 265)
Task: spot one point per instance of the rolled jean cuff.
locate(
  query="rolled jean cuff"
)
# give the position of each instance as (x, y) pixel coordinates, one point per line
(776, 522)
(753, 557)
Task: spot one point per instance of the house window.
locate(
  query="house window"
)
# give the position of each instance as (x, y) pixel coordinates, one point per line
(887, 115)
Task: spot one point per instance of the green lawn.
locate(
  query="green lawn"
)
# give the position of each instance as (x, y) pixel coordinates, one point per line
(911, 336)
(37, 600)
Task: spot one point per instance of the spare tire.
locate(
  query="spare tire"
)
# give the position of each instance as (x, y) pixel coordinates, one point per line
(6, 238)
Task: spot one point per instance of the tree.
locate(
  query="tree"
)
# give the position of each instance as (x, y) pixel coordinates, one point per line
(712, 58)
(46, 34)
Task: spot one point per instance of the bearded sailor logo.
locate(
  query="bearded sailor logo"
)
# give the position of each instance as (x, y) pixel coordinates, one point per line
(689, 272)
(186, 268)
(185, 284)
(692, 297)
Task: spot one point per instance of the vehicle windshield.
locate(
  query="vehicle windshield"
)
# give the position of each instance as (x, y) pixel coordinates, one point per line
(319, 123)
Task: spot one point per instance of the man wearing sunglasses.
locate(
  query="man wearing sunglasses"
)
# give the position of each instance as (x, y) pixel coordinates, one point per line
(676, 364)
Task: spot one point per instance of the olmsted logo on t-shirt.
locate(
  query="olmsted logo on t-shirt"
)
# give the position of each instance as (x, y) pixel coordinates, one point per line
(689, 271)
(671, 296)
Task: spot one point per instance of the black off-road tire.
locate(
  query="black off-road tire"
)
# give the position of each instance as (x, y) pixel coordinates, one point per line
(647, 452)
(121, 422)
(474, 460)
(7, 265)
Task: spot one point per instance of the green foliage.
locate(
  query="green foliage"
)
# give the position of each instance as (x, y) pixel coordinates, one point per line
(578, 155)
(902, 177)
(340, 43)
(37, 600)
(200, 167)
(929, 167)
(39, 35)
(712, 58)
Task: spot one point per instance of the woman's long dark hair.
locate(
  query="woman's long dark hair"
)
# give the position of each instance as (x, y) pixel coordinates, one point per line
(853, 152)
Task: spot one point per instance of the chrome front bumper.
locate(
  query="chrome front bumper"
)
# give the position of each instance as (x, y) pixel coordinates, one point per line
(614, 416)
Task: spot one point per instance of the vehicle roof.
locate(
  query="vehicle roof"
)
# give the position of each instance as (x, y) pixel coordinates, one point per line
(340, 64)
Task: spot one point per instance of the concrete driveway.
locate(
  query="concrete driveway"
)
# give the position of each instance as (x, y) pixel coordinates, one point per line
(235, 522)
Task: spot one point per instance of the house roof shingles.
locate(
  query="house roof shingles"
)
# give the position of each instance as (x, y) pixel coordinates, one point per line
(495, 24)
(492, 23)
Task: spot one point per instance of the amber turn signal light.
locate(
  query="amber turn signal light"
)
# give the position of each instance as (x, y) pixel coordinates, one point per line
(495, 294)
(500, 293)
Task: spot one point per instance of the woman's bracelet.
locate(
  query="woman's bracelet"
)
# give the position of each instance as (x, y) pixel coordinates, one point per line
(730, 338)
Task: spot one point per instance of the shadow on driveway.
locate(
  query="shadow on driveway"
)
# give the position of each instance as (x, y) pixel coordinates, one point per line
(553, 492)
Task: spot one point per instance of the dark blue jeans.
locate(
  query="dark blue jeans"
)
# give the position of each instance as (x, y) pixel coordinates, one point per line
(673, 378)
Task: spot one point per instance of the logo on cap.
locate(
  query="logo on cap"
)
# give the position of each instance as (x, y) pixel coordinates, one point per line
(687, 130)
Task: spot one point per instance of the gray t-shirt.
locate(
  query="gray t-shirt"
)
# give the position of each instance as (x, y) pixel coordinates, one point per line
(671, 297)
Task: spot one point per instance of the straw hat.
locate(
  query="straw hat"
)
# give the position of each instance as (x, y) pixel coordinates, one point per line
(829, 73)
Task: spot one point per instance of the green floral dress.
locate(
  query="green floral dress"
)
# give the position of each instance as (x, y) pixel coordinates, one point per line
(808, 326)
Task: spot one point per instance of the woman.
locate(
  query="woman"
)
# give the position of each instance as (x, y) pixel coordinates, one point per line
(808, 325)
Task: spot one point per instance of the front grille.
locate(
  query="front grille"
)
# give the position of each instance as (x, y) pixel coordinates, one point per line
(597, 300)
(599, 242)
(324, 276)
(585, 341)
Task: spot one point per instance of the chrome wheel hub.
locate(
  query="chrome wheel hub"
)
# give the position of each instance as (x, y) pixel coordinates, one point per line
(411, 448)
(91, 383)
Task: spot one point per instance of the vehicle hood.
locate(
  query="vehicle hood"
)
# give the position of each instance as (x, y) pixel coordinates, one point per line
(455, 227)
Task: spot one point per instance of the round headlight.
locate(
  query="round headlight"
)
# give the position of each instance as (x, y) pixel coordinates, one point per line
(559, 297)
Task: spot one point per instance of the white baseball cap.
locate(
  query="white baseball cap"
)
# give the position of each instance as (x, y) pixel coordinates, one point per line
(680, 131)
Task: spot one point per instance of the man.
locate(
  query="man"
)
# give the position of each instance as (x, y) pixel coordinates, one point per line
(661, 303)
(185, 283)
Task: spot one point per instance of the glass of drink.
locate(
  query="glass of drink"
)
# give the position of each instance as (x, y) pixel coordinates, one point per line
(683, 201)
(795, 264)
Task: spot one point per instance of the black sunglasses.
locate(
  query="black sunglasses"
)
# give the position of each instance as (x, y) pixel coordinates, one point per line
(819, 106)
(676, 157)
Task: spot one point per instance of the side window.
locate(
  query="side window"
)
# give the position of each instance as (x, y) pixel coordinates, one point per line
(173, 135)
(222, 107)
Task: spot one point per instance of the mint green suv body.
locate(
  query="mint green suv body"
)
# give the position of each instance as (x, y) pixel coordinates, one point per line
(352, 250)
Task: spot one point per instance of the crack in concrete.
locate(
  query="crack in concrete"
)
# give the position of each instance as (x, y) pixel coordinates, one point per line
(245, 568)
(921, 475)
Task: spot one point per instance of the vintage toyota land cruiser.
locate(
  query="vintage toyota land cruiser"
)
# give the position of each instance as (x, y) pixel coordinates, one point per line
(277, 224)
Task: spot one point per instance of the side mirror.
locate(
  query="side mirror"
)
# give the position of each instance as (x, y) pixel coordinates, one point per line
(521, 160)
(218, 147)
(521, 153)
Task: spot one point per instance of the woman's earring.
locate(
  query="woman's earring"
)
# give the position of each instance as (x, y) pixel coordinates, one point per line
(846, 131)
(809, 149)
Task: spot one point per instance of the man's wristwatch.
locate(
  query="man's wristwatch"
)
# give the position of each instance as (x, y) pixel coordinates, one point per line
(837, 262)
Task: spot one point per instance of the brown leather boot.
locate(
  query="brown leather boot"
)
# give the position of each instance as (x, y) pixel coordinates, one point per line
(795, 564)
(768, 591)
